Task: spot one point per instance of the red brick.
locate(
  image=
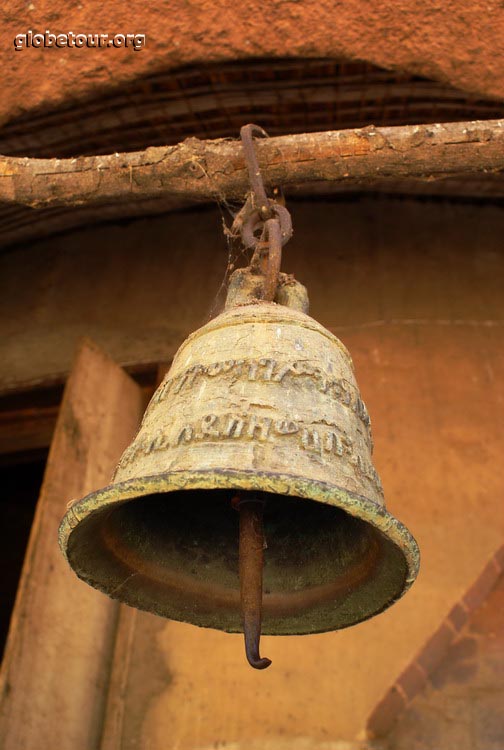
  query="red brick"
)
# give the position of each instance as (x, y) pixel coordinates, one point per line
(435, 648)
(499, 559)
(481, 587)
(458, 617)
(384, 715)
(412, 681)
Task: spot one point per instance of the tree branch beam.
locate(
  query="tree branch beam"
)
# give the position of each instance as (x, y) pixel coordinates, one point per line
(196, 170)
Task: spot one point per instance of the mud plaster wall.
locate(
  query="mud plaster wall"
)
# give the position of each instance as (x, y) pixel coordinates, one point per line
(459, 43)
(139, 288)
(414, 289)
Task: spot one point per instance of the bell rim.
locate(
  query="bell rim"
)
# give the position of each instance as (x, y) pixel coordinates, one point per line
(356, 505)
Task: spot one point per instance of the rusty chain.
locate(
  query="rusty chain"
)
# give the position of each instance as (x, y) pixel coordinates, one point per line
(263, 215)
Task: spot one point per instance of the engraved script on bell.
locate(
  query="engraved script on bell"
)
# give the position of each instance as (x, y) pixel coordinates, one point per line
(300, 401)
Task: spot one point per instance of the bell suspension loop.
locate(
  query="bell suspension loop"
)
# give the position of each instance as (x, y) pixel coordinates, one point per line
(263, 223)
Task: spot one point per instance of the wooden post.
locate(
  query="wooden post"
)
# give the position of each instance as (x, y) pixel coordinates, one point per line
(55, 673)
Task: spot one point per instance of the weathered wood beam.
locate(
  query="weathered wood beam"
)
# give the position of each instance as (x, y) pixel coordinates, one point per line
(55, 671)
(27, 430)
(197, 170)
(28, 416)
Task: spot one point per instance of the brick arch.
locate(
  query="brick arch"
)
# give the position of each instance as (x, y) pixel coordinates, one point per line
(284, 95)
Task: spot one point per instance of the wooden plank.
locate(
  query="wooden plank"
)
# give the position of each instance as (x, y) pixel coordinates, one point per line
(56, 667)
(28, 417)
(27, 429)
(119, 679)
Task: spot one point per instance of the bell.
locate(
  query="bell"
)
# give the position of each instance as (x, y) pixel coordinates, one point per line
(259, 403)
(248, 500)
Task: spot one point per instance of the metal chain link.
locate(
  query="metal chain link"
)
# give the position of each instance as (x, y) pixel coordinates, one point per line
(264, 215)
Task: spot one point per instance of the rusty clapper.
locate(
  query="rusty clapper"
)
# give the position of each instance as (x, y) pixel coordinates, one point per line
(248, 500)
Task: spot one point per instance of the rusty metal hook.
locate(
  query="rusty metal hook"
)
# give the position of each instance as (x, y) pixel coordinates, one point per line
(251, 553)
(260, 199)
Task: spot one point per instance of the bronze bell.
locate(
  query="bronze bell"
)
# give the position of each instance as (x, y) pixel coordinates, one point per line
(260, 411)
(262, 399)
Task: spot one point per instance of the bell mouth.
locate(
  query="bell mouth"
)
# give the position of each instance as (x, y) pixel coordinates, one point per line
(332, 559)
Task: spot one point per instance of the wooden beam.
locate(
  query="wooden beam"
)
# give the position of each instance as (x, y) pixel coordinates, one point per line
(26, 430)
(28, 415)
(198, 170)
(54, 678)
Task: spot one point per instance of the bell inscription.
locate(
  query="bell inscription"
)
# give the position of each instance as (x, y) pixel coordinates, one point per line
(265, 370)
(315, 438)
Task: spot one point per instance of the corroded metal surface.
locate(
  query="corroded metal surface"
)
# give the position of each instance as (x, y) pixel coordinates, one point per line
(262, 398)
